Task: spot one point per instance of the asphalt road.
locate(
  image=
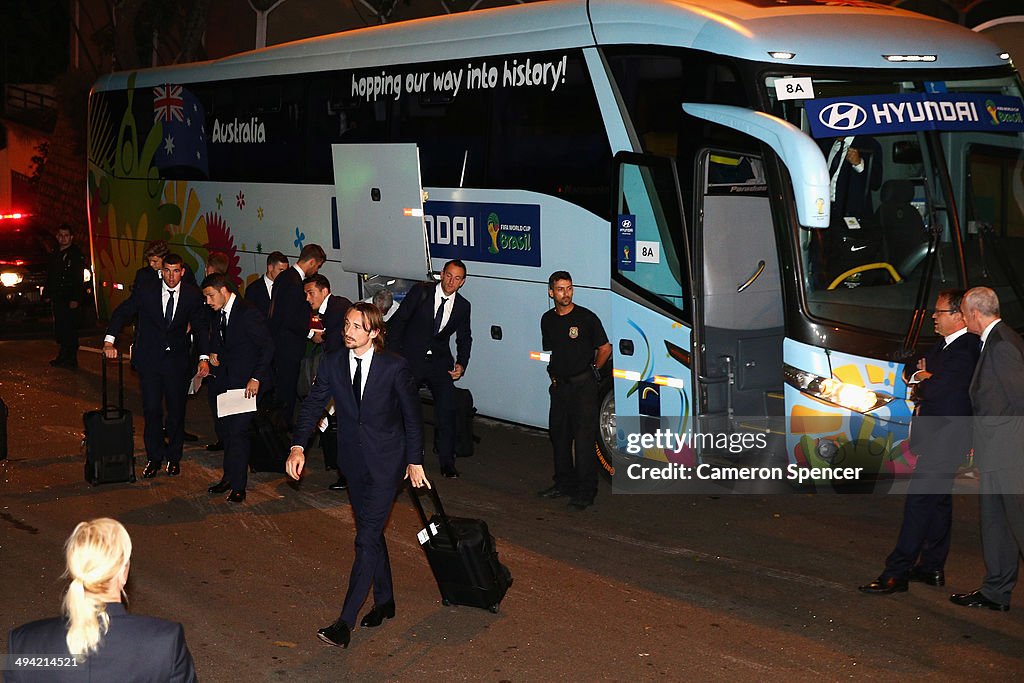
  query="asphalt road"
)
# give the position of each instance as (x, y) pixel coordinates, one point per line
(639, 587)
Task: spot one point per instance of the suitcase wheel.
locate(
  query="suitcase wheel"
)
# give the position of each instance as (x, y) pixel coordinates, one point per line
(446, 602)
(494, 609)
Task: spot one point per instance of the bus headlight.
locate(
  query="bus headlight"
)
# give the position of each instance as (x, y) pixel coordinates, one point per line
(831, 390)
(10, 278)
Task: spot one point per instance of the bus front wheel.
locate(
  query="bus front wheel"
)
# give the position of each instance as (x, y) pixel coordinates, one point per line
(607, 437)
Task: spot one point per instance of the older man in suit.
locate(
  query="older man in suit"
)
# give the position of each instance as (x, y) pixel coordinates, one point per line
(288, 318)
(421, 331)
(259, 291)
(161, 355)
(941, 438)
(241, 352)
(997, 393)
(380, 440)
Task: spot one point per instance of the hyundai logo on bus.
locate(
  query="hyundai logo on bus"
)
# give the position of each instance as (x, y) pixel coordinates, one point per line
(912, 112)
(487, 232)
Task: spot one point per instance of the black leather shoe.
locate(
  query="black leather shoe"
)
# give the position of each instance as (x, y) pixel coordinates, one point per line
(173, 469)
(237, 496)
(884, 586)
(189, 436)
(377, 615)
(220, 487)
(337, 634)
(450, 472)
(935, 577)
(215, 446)
(152, 467)
(339, 485)
(581, 503)
(553, 492)
(976, 599)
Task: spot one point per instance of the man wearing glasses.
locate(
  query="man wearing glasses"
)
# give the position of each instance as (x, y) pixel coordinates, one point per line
(940, 437)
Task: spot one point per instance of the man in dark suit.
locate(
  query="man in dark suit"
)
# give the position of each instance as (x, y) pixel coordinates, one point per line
(941, 438)
(421, 330)
(241, 353)
(327, 329)
(997, 393)
(329, 309)
(380, 440)
(258, 292)
(65, 288)
(289, 324)
(161, 355)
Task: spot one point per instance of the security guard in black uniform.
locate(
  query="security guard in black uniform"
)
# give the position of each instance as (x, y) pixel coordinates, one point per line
(65, 288)
(579, 348)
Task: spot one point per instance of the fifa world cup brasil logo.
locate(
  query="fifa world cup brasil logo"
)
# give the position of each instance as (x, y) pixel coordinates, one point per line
(493, 228)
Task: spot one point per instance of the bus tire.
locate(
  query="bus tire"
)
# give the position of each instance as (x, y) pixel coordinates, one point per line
(605, 444)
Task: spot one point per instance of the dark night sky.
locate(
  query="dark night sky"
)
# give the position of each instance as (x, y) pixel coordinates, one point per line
(33, 40)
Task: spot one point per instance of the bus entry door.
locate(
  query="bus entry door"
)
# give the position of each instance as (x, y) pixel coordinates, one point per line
(380, 210)
(740, 303)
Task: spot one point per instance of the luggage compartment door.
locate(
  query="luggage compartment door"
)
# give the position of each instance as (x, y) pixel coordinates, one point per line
(380, 210)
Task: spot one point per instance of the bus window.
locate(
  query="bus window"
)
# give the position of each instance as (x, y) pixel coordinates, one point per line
(994, 248)
(650, 254)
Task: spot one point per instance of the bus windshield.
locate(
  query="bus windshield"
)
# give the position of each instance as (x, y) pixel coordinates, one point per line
(926, 193)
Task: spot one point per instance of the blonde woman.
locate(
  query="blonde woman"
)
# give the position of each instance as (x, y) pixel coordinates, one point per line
(96, 639)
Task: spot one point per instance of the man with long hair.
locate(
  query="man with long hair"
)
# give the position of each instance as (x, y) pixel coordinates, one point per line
(380, 441)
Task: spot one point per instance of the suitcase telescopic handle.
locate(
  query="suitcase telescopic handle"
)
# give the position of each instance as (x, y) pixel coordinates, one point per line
(435, 499)
(107, 407)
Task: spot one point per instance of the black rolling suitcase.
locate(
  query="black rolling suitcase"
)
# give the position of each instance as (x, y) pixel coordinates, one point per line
(462, 556)
(109, 436)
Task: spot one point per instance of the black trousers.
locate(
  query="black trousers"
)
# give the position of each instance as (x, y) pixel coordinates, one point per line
(435, 377)
(164, 390)
(572, 427)
(235, 431)
(925, 533)
(65, 330)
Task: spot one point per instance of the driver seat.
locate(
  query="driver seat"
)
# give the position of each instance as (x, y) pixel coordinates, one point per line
(902, 227)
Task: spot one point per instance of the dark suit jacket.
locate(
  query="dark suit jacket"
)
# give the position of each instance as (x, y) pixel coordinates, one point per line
(289, 320)
(146, 276)
(248, 351)
(411, 330)
(135, 648)
(256, 294)
(937, 435)
(153, 335)
(997, 392)
(333, 321)
(381, 435)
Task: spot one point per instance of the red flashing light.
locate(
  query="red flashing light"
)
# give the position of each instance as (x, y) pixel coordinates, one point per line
(14, 216)
(17, 262)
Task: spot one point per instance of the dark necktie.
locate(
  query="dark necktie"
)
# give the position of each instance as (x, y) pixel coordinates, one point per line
(357, 381)
(223, 327)
(439, 315)
(169, 311)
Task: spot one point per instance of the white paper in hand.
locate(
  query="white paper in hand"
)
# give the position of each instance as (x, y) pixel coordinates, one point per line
(233, 402)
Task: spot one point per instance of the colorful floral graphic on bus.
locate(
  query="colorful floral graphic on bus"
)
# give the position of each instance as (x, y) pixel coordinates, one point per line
(824, 435)
(130, 204)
